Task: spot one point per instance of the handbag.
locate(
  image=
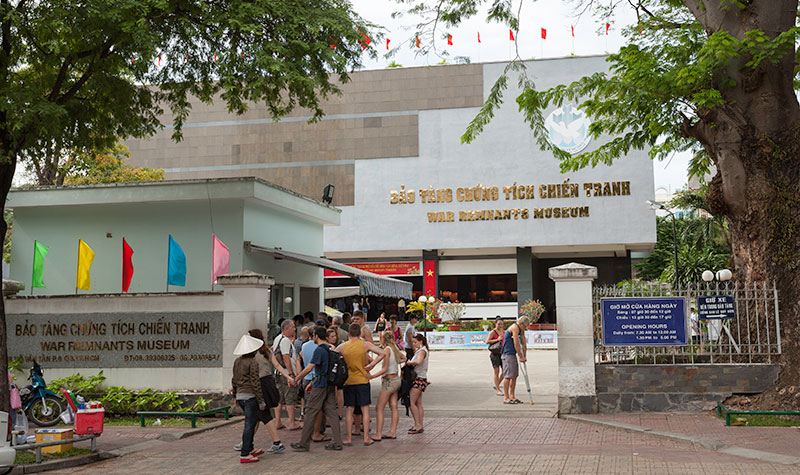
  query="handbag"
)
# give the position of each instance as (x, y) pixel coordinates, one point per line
(497, 347)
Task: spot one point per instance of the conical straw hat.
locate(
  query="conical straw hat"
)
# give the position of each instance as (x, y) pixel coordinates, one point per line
(247, 344)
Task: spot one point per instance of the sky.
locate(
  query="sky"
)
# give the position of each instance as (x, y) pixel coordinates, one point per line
(556, 16)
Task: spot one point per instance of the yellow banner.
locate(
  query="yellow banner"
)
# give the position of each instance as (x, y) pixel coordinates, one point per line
(85, 258)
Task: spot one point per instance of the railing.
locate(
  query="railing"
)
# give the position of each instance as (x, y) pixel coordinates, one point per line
(38, 446)
(752, 337)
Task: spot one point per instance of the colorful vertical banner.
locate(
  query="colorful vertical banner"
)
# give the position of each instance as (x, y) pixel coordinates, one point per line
(544, 33)
(511, 35)
(176, 264)
(127, 265)
(39, 251)
(85, 258)
(429, 278)
(221, 258)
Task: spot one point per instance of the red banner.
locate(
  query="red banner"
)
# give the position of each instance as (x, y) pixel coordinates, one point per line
(382, 268)
(429, 278)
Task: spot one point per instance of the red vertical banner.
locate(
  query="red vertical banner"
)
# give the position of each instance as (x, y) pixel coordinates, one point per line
(429, 279)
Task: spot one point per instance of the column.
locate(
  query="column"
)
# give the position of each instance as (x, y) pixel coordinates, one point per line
(577, 393)
(524, 276)
(246, 306)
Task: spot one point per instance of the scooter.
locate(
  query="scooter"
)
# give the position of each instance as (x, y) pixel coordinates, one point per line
(42, 406)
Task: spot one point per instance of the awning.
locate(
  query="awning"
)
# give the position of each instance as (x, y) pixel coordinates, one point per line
(369, 283)
(341, 292)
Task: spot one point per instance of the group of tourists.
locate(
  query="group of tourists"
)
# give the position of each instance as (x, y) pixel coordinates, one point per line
(507, 349)
(303, 370)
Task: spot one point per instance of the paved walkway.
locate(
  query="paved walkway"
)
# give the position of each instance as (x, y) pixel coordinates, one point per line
(777, 440)
(449, 445)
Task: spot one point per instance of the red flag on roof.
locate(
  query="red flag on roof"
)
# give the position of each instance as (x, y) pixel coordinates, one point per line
(511, 35)
(608, 25)
(417, 41)
(387, 43)
(544, 34)
(450, 39)
(572, 27)
(479, 37)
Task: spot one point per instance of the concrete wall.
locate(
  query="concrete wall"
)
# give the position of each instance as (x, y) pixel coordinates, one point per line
(145, 226)
(158, 376)
(666, 388)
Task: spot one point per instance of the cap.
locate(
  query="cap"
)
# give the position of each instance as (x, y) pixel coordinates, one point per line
(321, 323)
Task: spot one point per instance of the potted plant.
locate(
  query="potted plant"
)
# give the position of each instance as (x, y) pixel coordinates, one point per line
(532, 309)
(485, 324)
(453, 312)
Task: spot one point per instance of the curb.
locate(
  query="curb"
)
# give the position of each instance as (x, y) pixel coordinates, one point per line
(705, 442)
(122, 451)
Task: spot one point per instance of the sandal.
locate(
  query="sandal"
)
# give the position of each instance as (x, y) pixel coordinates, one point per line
(323, 439)
(388, 437)
(333, 447)
(517, 401)
(367, 443)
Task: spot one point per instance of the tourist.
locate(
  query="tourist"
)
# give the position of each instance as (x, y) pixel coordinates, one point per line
(267, 365)
(390, 384)
(420, 364)
(322, 397)
(356, 388)
(514, 352)
(334, 341)
(380, 326)
(302, 338)
(338, 325)
(333, 337)
(298, 323)
(308, 319)
(323, 317)
(359, 320)
(283, 347)
(409, 335)
(395, 331)
(495, 342)
(346, 322)
(246, 387)
(306, 353)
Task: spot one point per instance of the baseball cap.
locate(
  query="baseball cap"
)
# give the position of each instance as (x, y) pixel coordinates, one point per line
(321, 323)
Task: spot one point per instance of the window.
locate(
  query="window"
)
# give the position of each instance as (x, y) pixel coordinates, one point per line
(478, 288)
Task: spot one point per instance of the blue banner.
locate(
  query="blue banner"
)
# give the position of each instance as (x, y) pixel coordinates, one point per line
(644, 321)
(710, 307)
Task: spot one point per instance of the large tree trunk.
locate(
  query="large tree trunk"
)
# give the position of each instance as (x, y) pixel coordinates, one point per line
(754, 141)
(6, 175)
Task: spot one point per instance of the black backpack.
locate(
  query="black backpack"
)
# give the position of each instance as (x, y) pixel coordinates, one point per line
(337, 369)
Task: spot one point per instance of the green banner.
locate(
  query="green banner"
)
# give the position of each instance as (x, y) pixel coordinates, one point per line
(39, 251)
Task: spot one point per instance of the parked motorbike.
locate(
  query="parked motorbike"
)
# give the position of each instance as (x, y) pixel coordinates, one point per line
(42, 406)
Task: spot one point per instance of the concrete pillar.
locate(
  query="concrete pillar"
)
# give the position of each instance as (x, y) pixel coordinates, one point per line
(246, 306)
(524, 276)
(577, 393)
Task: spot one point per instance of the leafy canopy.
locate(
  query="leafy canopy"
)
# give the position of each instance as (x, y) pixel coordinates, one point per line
(659, 86)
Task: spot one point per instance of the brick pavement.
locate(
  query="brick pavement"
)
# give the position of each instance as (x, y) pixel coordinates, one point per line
(449, 445)
(779, 440)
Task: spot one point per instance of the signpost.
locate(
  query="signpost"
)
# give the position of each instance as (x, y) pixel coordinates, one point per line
(644, 321)
(710, 307)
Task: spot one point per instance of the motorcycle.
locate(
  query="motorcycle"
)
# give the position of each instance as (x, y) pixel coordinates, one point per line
(42, 406)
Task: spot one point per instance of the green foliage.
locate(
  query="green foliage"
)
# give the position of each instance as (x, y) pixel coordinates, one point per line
(394, 64)
(15, 365)
(532, 309)
(420, 325)
(78, 384)
(201, 404)
(107, 167)
(8, 216)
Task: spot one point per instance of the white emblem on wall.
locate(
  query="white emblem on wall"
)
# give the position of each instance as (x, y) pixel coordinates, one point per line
(568, 128)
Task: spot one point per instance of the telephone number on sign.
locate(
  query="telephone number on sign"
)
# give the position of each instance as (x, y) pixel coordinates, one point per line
(149, 358)
(199, 357)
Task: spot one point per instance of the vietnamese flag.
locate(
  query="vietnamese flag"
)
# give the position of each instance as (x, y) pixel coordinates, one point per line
(511, 35)
(608, 25)
(387, 43)
(544, 34)
(450, 40)
(127, 265)
(417, 41)
(572, 27)
(479, 37)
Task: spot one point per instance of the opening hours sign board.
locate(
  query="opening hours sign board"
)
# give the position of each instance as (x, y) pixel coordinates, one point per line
(644, 321)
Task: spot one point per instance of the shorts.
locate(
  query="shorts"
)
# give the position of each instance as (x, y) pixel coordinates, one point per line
(510, 366)
(497, 362)
(265, 415)
(390, 385)
(288, 394)
(269, 389)
(421, 384)
(357, 395)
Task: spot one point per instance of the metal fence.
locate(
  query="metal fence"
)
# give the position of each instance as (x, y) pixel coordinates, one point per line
(752, 337)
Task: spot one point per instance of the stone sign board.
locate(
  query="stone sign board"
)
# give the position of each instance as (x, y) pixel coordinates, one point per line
(117, 340)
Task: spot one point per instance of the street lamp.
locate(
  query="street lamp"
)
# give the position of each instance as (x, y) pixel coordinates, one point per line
(425, 301)
(657, 205)
(721, 275)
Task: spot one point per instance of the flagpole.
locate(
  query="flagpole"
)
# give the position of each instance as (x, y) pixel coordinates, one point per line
(167, 263)
(78, 267)
(33, 266)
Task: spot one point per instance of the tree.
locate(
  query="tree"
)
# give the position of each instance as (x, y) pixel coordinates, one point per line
(73, 73)
(714, 77)
(107, 167)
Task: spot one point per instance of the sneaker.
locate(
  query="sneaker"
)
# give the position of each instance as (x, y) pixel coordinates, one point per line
(299, 447)
(248, 459)
(257, 452)
(238, 447)
(276, 449)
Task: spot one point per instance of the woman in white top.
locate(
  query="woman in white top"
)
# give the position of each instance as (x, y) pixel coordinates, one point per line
(420, 363)
(390, 385)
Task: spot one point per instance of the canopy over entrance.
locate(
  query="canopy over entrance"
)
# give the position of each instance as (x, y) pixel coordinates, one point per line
(368, 283)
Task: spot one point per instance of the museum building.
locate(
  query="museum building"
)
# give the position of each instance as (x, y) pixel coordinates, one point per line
(480, 223)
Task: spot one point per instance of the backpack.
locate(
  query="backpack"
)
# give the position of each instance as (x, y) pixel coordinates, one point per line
(337, 369)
